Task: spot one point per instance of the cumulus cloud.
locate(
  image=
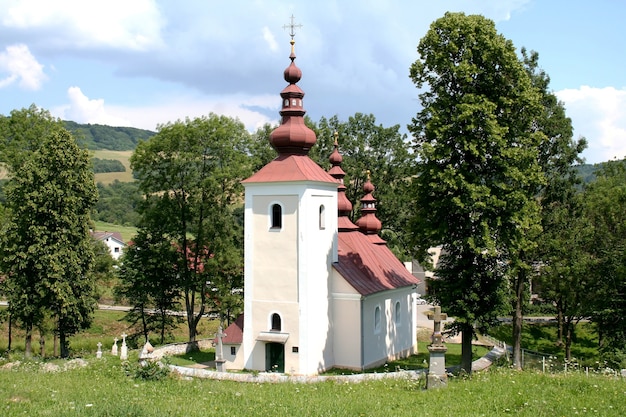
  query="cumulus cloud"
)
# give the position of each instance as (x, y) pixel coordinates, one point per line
(122, 24)
(599, 114)
(82, 109)
(17, 64)
(268, 36)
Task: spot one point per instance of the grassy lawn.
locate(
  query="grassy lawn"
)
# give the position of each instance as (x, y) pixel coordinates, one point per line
(104, 388)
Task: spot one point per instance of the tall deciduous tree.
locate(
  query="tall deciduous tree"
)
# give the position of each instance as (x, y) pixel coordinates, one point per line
(47, 252)
(190, 173)
(559, 254)
(605, 208)
(477, 166)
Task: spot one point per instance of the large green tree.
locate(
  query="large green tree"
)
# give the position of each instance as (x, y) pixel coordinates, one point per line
(477, 166)
(190, 174)
(47, 252)
(559, 254)
(605, 212)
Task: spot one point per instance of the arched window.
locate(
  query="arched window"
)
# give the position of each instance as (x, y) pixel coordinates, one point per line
(276, 322)
(322, 218)
(398, 312)
(377, 319)
(277, 216)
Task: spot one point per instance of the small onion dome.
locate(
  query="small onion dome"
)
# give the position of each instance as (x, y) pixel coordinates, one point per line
(344, 206)
(368, 223)
(292, 136)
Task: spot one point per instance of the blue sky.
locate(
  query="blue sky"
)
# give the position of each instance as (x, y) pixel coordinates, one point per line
(146, 62)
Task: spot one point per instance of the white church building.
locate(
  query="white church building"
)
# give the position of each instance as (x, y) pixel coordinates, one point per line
(320, 292)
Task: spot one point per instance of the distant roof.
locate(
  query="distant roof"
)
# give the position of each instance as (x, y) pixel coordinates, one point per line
(107, 235)
(370, 267)
(234, 332)
(288, 167)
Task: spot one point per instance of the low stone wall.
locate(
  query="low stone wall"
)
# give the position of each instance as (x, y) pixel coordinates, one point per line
(180, 348)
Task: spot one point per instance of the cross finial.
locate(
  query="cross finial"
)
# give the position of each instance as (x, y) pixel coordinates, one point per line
(292, 27)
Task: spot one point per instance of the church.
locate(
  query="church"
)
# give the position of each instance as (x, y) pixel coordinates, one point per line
(320, 292)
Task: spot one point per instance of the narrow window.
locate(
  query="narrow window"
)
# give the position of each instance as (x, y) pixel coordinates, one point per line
(398, 313)
(277, 216)
(276, 322)
(233, 350)
(322, 217)
(377, 319)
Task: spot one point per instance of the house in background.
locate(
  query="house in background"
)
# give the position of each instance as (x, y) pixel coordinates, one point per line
(113, 240)
(320, 292)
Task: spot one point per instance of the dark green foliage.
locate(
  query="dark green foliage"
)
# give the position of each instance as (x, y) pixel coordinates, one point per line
(107, 165)
(118, 203)
(477, 169)
(107, 137)
(190, 174)
(147, 370)
(47, 252)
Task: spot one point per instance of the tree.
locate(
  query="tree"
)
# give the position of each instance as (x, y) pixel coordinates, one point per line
(605, 212)
(149, 281)
(47, 252)
(190, 174)
(558, 255)
(22, 133)
(477, 167)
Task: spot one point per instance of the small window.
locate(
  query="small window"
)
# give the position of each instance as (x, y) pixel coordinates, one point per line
(276, 322)
(377, 319)
(277, 216)
(398, 313)
(294, 349)
(322, 219)
(116, 250)
(233, 350)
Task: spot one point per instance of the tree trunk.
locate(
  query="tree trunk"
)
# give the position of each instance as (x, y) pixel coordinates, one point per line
(55, 345)
(559, 320)
(28, 347)
(569, 330)
(518, 319)
(467, 336)
(10, 335)
(42, 345)
(64, 344)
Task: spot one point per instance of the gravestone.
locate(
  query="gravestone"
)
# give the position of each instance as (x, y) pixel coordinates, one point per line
(99, 351)
(219, 351)
(437, 375)
(146, 353)
(124, 351)
(114, 348)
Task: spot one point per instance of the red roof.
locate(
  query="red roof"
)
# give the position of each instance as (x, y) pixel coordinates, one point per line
(106, 235)
(234, 332)
(291, 168)
(370, 267)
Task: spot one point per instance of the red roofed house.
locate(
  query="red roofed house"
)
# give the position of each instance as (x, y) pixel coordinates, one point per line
(320, 291)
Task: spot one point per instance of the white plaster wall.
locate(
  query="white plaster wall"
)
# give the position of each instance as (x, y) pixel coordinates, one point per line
(394, 339)
(288, 272)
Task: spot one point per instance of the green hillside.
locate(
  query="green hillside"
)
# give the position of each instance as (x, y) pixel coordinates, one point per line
(113, 138)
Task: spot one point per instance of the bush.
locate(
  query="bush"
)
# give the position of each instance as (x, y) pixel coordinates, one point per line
(148, 370)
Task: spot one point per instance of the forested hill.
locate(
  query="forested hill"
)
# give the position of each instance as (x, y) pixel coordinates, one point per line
(107, 137)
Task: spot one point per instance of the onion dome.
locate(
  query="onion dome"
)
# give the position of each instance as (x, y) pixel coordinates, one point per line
(344, 206)
(369, 223)
(292, 136)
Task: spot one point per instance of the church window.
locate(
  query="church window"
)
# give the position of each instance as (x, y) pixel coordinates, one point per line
(398, 312)
(277, 216)
(233, 350)
(377, 319)
(322, 217)
(276, 322)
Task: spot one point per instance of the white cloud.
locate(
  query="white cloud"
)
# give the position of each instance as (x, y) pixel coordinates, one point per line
(123, 24)
(19, 64)
(268, 36)
(598, 114)
(82, 109)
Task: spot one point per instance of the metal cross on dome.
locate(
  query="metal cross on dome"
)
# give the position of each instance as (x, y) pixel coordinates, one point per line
(292, 27)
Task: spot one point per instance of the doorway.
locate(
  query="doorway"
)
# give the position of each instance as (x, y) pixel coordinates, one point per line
(275, 357)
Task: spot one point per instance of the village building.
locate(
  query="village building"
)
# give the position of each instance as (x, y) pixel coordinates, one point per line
(113, 240)
(320, 292)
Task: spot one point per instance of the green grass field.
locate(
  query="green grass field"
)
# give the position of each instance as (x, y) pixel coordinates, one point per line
(109, 177)
(127, 232)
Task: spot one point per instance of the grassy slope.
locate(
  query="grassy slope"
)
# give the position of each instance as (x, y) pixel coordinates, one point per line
(109, 177)
(128, 232)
